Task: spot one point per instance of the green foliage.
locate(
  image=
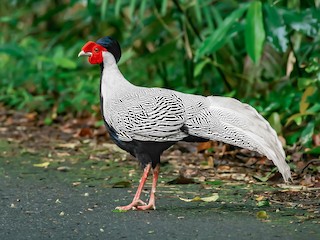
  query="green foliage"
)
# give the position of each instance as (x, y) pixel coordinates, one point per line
(263, 52)
(220, 35)
(254, 31)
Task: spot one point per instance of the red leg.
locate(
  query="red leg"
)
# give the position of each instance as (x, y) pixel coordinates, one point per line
(152, 201)
(136, 200)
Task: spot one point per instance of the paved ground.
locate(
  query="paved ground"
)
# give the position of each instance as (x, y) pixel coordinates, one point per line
(41, 206)
(43, 203)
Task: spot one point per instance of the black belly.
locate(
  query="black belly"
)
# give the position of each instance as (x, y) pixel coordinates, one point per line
(145, 151)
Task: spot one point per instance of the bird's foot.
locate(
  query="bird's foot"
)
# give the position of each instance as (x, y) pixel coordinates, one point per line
(150, 206)
(132, 206)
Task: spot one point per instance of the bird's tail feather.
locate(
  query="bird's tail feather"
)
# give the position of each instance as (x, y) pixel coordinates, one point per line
(230, 121)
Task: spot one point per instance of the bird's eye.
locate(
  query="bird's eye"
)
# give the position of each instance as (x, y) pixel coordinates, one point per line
(96, 50)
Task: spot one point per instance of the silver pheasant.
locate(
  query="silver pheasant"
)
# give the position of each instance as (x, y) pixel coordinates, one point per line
(147, 121)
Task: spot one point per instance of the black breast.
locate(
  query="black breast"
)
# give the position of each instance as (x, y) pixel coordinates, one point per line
(145, 151)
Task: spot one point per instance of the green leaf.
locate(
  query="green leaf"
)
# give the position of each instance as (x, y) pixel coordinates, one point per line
(315, 108)
(199, 66)
(307, 133)
(293, 138)
(119, 211)
(117, 8)
(209, 19)
(215, 182)
(132, 7)
(219, 37)
(143, 7)
(275, 122)
(164, 7)
(276, 30)
(297, 117)
(12, 49)
(303, 83)
(48, 120)
(128, 54)
(264, 178)
(307, 21)
(315, 150)
(254, 31)
(7, 19)
(104, 7)
(197, 11)
(263, 203)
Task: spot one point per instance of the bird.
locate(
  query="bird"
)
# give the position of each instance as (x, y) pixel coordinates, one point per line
(147, 121)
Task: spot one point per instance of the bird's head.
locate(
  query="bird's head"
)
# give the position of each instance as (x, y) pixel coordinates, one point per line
(103, 48)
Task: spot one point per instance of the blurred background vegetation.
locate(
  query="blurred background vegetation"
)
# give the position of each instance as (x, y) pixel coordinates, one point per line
(265, 53)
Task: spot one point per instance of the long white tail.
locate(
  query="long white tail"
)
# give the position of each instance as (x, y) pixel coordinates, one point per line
(230, 121)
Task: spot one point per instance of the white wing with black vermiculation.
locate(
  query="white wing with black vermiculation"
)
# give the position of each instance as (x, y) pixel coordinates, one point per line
(147, 115)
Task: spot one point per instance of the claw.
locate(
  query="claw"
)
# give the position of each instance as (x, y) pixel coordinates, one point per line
(132, 206)
(146, 207)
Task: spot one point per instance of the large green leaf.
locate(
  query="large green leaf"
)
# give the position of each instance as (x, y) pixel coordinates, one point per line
(277, 34)
(307, 21)
(220, 36)
(254, 31)
(306, 135)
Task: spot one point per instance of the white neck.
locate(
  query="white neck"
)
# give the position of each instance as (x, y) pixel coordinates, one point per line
(113, 82)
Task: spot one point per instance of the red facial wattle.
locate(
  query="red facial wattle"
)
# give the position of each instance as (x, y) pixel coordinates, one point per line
(96, 52)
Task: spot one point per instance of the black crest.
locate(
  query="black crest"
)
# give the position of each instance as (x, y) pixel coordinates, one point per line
(111, 45)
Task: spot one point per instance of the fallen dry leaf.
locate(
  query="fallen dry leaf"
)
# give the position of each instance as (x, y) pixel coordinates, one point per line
(290, 63)
(85, 132)
(42, 165)
(316, 139)
(122, 184)
(210, 161)
(76, 184)
(204, 146)
(287, 187)
(182, 180)
(212, 198)
(68, 145)
(31, 116)
(260, 197)
(63, 168)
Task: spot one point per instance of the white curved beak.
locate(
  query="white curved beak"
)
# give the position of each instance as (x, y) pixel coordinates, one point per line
(83, 53)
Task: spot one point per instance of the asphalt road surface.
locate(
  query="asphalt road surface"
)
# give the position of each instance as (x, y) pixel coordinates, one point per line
(47, 208)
